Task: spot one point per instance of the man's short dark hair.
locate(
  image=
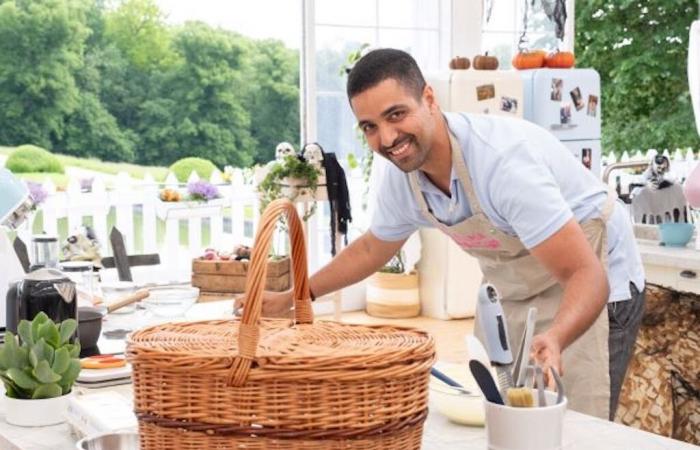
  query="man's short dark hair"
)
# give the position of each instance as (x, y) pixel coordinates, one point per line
(382, 64)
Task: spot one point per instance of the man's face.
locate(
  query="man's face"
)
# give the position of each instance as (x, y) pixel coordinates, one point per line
(396, 124)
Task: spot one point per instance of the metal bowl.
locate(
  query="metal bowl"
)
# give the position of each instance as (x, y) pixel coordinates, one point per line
(110, 441)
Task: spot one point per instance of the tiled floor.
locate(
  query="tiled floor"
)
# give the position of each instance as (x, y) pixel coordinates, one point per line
(448, 334)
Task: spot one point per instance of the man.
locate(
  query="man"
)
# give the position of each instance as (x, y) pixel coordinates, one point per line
(543, 228)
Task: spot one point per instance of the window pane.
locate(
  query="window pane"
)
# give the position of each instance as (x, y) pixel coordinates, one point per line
(409, 13)
(537, 19)
(502, 16)
(424, 46)
(336, 124)
(500, 45)
(356, 12)
(333, 44)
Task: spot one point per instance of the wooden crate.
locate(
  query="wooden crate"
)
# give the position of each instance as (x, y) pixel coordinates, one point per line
(229, 277)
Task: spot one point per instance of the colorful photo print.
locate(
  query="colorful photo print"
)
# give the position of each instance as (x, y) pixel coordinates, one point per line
(565, 113)
(592, 105)
(577, 99)
(485, 92)
(587, 157)
(557, 85)
(509, 104)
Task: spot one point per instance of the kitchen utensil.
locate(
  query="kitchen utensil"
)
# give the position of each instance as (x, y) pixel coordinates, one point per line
(485, 381)
(82, 274)
(540, 386)
(493, 323)
(476, 350)
(523, 356)
(110, 441)
(520, 397)
(448, 381)
(90, 318)
(560, 385)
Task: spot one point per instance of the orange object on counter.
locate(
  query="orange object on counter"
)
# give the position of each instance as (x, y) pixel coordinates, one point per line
(102, 362)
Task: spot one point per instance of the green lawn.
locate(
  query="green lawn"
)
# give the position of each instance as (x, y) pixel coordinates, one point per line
(112, 168)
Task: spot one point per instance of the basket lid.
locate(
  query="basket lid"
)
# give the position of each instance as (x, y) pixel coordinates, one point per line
(321, 347)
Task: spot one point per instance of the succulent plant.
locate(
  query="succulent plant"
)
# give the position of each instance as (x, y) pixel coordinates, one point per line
(46, 363)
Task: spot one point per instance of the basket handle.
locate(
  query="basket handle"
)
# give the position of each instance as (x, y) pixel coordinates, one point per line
(249, 328)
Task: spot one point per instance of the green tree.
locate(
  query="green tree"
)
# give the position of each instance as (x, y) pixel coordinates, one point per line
(138, 29)
(41, 45)
(199, 108)
(273, 97)
(640, 50)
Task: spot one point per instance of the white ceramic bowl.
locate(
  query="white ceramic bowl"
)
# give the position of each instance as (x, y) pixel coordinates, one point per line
(170, 302)
(458, 407)
(110, 441)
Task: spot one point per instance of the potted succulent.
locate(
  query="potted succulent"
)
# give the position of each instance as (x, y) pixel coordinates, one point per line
(392, 292)
(38, 369)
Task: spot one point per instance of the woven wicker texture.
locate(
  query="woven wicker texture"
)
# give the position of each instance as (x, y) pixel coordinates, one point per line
(258, 383)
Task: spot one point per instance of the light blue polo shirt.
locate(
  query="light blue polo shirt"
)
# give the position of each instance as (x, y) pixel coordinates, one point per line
(529, 185)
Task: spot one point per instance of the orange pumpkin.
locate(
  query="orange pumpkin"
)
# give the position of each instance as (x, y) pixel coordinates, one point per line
(459, 63)
(485, 62)
(528, 60)
(561, 60)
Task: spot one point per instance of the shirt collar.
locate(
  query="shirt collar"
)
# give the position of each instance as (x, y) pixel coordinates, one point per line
(424, 183)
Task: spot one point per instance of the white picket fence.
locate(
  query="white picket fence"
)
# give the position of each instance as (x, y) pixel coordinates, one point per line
(139, 214)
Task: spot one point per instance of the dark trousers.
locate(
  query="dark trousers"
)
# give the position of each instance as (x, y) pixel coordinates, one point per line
(624, 317)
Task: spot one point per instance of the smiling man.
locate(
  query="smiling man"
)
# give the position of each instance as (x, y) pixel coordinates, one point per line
(545, 231)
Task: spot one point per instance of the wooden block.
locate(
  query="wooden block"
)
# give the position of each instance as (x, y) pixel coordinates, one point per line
(230, 276)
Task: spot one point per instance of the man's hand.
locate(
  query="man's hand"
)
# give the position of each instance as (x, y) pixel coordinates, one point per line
(275, 304)
(546, 351)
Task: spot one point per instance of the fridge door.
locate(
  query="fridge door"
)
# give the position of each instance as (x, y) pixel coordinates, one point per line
(588, 152)
(479, 91)
(564, 101)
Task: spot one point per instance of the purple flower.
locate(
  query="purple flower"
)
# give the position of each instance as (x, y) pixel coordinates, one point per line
(37, 192)
(202, 191)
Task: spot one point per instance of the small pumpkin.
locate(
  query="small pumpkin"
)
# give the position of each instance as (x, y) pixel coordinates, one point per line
(485, 62)
(459, 63)
(528, 59)
(560, 60)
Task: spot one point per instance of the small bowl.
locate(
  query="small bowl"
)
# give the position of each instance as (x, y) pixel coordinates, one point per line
(110, 441)
(117, 290)
(170, 302)
(458, 407)
(676, 234)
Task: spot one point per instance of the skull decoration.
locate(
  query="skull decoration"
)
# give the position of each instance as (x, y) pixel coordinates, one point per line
(313, 154)
(284, 149)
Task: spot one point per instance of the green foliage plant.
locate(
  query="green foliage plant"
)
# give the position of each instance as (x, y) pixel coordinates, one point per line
(45, 364)
(271, 187)
(33, 159)
(183, 168)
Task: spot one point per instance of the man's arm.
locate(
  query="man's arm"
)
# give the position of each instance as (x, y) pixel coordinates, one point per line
(360, 259)
(570, 259)
(354, 263)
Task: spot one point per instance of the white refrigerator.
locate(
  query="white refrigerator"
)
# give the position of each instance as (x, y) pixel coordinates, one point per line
(566, 102)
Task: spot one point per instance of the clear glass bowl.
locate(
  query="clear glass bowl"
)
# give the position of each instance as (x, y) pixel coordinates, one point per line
(457, 406)
(170, 302)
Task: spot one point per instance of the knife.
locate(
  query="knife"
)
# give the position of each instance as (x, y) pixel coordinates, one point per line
(493, 323)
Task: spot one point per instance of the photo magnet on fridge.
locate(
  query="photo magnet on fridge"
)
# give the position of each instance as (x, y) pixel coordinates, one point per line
(577, 98)
(485, 92)
(565, 113)
(587, 157)
(592, 105)
(557, 85)
(509, 104)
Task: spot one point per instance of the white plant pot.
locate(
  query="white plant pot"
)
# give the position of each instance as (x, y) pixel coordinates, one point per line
(36, 413)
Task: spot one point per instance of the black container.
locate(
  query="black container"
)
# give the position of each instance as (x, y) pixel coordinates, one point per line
(47, 290)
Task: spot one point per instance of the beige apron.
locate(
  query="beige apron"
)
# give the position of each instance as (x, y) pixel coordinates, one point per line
(523, 282)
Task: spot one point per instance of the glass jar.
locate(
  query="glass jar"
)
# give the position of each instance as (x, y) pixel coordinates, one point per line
(44, 251)
(82, 274)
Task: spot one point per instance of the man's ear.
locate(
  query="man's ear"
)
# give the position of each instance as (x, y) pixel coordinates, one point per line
(429, 97)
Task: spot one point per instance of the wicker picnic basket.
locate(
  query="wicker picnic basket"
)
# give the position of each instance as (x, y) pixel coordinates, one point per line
(259, 383)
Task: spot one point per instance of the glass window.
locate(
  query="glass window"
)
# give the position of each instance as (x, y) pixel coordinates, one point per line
(356, 12)
(409, 13)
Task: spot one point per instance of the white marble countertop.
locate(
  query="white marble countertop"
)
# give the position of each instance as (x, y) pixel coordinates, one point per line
(677, 257)
(581, 432)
